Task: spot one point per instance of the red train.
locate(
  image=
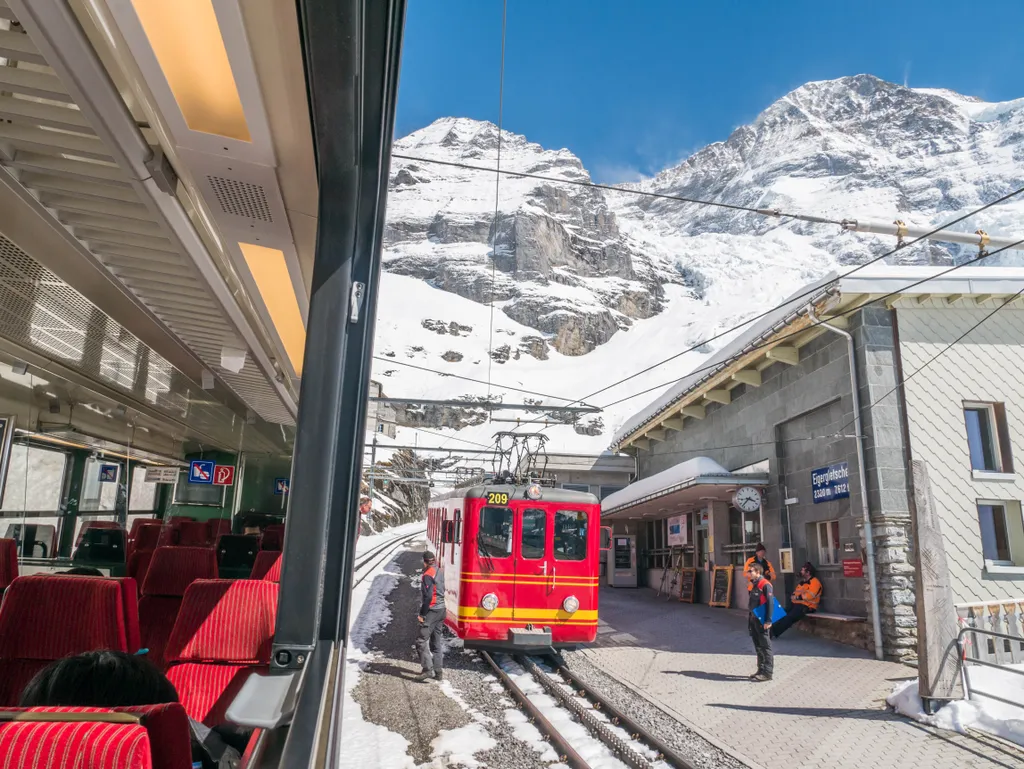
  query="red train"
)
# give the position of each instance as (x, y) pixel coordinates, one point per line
(521, 564)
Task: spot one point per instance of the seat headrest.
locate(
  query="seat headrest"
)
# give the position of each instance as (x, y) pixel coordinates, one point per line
(267, 566)
(192, 533)
(8, 562)
(173, 569)
(49, 616)
(147, 536)
(229, 621)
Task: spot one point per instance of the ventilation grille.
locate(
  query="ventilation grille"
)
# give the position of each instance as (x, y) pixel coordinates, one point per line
(241, 198)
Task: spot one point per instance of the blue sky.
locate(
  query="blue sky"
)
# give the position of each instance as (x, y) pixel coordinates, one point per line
(634, 86)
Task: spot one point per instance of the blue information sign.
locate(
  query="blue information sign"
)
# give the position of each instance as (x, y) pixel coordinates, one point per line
(108, 473)
(280, 486)
(200, 471)
(832, 482)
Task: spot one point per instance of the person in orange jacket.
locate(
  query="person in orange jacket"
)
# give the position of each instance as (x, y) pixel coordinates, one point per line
(805, 600)
(766, 568)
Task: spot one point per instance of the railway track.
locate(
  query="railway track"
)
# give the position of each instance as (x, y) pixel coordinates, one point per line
(586, 703)
(367, 562)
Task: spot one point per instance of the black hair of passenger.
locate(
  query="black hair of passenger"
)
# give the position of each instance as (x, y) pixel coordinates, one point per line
(99, 679)
(83, 571)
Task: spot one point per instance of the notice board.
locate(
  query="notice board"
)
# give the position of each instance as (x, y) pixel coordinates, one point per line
(687, 584)
(721, 587)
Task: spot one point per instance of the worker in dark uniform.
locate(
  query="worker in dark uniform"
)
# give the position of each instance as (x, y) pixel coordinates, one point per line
(431, 619)
(761, 594)
(805, 601)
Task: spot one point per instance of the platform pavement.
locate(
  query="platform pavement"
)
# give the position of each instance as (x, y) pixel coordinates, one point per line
(825, 707)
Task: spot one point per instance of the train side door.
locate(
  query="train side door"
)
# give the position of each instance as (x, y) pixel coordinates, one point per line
(532, 562)
(572, 592)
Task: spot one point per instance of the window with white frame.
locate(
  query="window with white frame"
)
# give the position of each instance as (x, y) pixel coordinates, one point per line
(1002, 532)
(988, 437)
(828, 543)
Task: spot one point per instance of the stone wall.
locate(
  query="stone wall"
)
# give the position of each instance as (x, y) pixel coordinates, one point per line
(887, 482)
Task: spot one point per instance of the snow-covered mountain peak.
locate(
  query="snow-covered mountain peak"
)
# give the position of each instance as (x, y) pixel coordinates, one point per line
(589, 284)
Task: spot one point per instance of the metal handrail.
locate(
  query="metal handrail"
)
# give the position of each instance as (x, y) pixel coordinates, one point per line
(974, 660)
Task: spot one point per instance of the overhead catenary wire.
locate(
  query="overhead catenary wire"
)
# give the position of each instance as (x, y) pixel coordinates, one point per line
(805, 294)
(768, 212)
(497, 200)
(471, 379)
(824, 321)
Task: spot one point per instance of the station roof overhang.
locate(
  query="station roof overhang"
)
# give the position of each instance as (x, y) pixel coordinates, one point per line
(680, 489)
(778, 336)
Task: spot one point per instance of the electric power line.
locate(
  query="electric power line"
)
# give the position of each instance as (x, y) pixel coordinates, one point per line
(497, 200)
(470, 379)
(769, 212)
(820, 322)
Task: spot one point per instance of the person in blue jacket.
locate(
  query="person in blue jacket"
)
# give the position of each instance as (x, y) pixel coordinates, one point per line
(761, 595)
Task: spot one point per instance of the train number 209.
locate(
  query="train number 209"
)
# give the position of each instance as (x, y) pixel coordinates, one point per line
(497, 498)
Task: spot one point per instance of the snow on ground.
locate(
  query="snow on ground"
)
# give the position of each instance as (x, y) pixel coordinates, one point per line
(366, 744)
(980, 712)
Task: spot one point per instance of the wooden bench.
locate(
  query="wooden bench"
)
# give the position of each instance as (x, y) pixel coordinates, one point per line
(843, 628)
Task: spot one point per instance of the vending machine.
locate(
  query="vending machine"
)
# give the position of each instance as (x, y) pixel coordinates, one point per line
(622, 571)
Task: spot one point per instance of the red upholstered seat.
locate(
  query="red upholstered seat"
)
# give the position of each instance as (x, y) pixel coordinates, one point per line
(46, 617)
(138, 566)
(193, 534)
(74, 745)
(171, 571)
(147, 536)
(273, 537)
(223, 634)
(267, 566)
(8, 562)
(166, 727)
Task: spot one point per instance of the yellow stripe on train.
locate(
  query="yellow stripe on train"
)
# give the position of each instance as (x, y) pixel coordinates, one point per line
(526, 615)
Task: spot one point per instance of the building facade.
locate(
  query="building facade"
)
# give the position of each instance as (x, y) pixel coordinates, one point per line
(601, 475)
(781, 397)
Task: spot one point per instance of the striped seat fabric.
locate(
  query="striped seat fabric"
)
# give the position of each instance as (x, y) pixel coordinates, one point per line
(8, 562)
(45, 617)
(170, 572)
(223, 634)
(267, 566)
(74, 745)
(217, 526)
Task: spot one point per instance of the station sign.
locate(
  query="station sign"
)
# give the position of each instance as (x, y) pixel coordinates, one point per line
(200, 471)
(161, 474)
(829, 483)
(224, 475)
(108, 473)
(853, 567)
(280, 486)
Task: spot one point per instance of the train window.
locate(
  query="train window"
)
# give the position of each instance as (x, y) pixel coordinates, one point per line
(448, 531)
(458, 526)
(494, 535)
(535, 529)
(570, 535)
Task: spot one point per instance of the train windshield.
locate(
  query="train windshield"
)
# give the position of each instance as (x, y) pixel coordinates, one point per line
(570, 535)
(494, 536)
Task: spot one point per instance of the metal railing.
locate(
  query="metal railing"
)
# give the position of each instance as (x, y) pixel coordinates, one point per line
(975, 659)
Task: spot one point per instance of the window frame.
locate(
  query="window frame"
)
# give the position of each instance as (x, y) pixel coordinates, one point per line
(1005, 506)
(999, 436)
(828, 555)
(522, 532)
(555, 553)
(577, 487)
(479, 531)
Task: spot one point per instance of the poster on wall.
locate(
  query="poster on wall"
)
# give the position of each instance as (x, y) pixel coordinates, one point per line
(677, 531)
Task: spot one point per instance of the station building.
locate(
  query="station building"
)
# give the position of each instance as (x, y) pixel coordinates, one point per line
(938, 372)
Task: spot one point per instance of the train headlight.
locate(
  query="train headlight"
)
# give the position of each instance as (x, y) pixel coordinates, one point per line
(571, 604)
(533, 491)
(489, 602)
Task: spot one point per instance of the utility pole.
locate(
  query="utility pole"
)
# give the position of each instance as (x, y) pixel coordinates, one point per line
(373, 463)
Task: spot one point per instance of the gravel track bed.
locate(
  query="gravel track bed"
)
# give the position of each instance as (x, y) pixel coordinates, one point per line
(676, 735)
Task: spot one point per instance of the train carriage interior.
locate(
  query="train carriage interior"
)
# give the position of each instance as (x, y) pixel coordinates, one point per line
(191, 200)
